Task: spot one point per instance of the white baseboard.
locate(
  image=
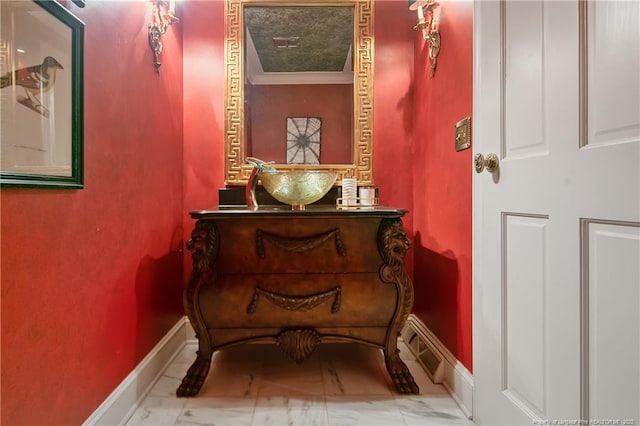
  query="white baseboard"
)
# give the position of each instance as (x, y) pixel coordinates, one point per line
(440, 364)
(125, 398)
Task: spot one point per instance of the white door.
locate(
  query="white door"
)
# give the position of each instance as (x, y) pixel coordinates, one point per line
(557, 226)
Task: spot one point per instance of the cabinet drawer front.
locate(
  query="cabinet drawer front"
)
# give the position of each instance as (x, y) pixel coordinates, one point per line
(297, 246)
(298, 300)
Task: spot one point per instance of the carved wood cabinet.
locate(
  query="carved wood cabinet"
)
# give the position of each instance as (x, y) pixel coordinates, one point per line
(297, 279)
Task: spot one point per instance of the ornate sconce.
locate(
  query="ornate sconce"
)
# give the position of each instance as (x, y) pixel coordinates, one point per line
(163, 16)
(429, 23)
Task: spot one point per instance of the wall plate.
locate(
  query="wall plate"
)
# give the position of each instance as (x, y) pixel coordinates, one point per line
(463, 134)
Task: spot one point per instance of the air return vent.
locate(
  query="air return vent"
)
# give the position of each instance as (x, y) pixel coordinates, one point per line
(426, 354)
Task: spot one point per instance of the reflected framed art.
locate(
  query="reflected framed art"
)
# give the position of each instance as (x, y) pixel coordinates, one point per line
(303, 140)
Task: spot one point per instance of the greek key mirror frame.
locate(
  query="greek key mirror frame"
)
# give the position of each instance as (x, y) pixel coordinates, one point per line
(236, 172)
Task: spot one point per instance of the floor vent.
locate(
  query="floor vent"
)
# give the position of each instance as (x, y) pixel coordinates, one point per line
(426, 354)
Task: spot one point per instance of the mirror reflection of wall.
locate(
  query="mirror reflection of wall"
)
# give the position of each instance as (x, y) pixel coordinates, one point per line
(299, 64)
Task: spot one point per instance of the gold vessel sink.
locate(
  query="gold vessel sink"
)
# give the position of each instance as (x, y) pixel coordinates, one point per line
(296, 187)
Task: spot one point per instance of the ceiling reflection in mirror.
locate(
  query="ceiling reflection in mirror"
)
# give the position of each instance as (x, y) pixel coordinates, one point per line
(300, 39)
(299, 84)
(305, 70)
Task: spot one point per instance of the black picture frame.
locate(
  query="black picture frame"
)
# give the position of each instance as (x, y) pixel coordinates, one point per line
(42, 96)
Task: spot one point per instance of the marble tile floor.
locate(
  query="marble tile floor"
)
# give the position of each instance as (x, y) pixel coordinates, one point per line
(341, 384)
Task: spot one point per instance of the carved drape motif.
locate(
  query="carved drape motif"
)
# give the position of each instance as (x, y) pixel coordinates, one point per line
(298, 244)
(296, 303)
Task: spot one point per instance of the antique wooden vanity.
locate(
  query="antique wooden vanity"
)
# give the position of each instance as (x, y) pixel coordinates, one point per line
(297, 279)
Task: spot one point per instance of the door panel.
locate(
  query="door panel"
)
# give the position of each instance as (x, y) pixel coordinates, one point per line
(525, 334)
(525, 95)
(611, 320)
(613, 38)
(556, 96)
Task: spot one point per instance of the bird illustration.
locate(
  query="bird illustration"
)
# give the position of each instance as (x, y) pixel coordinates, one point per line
(35, 80)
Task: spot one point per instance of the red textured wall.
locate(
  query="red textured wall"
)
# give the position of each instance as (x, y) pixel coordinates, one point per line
(442, 183)
(393, 162)
(203, 51)
(272, 104)
(91, 278)
(203, 44)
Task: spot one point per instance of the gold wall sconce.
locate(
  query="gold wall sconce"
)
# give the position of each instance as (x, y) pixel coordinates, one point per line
(163, 15)
(429, 23)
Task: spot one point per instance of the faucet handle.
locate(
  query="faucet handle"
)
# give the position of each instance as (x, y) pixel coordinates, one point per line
(262, 166)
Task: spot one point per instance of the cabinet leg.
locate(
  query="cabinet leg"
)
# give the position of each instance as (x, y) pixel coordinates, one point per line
(196, 374)
(400, 374)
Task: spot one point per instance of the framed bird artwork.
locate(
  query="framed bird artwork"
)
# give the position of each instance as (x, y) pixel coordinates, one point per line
(41, 95)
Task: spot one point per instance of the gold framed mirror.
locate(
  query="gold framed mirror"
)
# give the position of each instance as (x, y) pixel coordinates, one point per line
(296, 131)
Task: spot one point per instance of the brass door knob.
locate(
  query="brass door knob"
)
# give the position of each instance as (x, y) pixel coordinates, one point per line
(490, 163)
